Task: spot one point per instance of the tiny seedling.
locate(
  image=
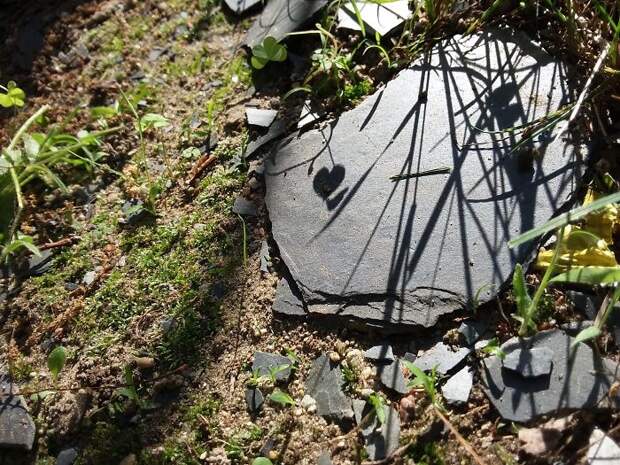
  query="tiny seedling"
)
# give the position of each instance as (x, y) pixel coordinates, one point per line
(426, 382)
(12, 96)
(268, 50)
(274, 370)
(56, 361)
(280, 397)
(377, 401)
(493, 348)
(262, 461)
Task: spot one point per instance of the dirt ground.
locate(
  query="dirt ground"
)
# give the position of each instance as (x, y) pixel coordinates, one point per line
(178, 300)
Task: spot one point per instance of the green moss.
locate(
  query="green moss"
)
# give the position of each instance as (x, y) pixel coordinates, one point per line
(352, 93)
(109, 444)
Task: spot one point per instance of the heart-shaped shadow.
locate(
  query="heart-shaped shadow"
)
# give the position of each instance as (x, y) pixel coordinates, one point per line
(327, 181)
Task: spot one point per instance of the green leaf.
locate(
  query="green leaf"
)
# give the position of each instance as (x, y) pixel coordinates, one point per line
(493, 348)
(56, 361)
(153, 120)
(104, 112)
(14, 96)
(519, 288)
(592, 275)
(281, 397)
(258, 63)
(377, 403)
(268, 50)
(587, 334)
(564, 219)
(262, 461)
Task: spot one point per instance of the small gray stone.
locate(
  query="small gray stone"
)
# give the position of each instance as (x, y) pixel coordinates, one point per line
(471, 331)
(17, 430)
(281, 17)
(241, 6)
(443, 357)
(254, 399)
(377, 17)
(265, 363)
(457, 388)
(325, 458)
(89, 278)
(67, 457)
(244, 207)
(579, 379)
(324, 384)
(265, 257)
(410, 357)
(392, 377)
(381, 440)
(603, 450)
(38, 265)
(260, 117)
(585, 302)
(382, 353)
(572, 328)
(530, 363)
(288, 300)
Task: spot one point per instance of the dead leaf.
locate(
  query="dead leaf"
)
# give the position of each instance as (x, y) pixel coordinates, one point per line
(542, 440)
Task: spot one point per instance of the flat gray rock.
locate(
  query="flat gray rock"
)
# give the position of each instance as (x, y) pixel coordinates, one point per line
(443, 357)
(254, 399)
(392, 377)
(530, 363)
(394, 254)
(17, 430)
(579, 379)
(457, 389)
(266, 363)
(281, 17)
(324, 384)
(382, 353)
(288, 301)
(603, 450)
(260, 117)
(381, 440)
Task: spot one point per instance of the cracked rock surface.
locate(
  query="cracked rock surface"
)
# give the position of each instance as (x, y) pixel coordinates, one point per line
(362, 246)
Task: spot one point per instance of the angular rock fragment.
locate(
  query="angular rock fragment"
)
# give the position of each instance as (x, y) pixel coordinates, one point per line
(241, 6)
(266, 364)
(382, 353)
(281, 17)
(471, 331)
(530, 363)
(260, 117)
(377, 17)
(366, 229)
(244, 207)
(579, 379)
(307, 115)
(325, 458)
(254, 399)
(457, 388)
(392, 377)
(277, 129)
(603, 450)
(67, 457)
(324, 384)
(288, 300)
(442, 357)
(381, 439)
(39, 265)
(17, 430)
(265, 257)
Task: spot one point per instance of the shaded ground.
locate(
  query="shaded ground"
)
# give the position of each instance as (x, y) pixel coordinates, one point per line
(178, 288)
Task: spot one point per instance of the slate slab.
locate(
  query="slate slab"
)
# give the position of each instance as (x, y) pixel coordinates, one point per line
(265, 257)
(362, 246)
(288, 300)
(603, 450)
(307, 115)
(579, 379)
(381, 353)
(381, 440)
(530, 363)
(67, 456)
(392, 377)
(281, 17)
(324, 384)
(443, 357)
(377, 17)
(471, 331)
(264, 363)
(17, 430)
(457, 389)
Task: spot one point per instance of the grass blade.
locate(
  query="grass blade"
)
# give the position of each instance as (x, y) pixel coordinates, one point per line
(592, 275)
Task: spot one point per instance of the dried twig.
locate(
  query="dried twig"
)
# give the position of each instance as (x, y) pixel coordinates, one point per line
(201, 165)
(60, 243)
